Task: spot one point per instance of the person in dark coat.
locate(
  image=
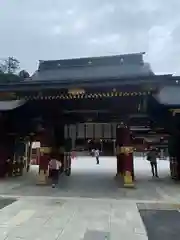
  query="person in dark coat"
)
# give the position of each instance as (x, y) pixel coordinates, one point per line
(152, 158)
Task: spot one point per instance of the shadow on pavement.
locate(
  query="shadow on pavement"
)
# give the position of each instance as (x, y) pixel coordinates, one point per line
(4, 202)
(161, 221)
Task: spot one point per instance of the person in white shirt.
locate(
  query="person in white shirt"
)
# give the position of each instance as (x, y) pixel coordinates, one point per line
(96, 153)
(54, 166)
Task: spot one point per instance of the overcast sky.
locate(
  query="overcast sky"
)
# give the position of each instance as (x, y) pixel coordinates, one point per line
(32, 30)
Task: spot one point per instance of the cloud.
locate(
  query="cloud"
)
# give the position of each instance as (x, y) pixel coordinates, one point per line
(44, 29)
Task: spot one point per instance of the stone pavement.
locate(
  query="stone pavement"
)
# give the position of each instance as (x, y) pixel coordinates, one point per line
(89, 180)
(88, 205)
(51, 219)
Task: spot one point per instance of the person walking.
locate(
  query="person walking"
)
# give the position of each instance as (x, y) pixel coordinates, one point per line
(54, 166)
(96, 153)
(152, 158)
(9, 167)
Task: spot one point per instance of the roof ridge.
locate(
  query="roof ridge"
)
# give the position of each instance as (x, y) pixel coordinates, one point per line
(95, 57)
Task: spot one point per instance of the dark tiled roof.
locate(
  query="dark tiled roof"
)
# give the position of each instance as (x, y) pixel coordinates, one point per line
(93, 68)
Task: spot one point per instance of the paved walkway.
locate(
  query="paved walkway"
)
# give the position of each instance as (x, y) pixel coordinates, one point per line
(89, 180)
(71, 219)
(89, 205)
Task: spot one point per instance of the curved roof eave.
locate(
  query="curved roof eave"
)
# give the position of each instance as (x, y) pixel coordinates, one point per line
(169, 95)
(10, 105)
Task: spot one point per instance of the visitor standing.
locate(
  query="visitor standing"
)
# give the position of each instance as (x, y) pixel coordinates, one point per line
(96, 153)
(152, 158)
(54, 166)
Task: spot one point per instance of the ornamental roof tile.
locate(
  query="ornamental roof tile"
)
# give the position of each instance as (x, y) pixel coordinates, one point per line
(94, 68)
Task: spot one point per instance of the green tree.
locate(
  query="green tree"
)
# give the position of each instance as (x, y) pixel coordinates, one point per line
(2, 68)
(10, 65)
(8, 70)
(23, 74)
(9, 77)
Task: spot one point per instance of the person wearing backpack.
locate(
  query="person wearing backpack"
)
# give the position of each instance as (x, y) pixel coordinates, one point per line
(54, 166)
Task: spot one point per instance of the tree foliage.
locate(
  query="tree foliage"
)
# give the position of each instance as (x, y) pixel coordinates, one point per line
(8, 71)
(23, 74)
(10, 65)
(1, 68)
(8, 77)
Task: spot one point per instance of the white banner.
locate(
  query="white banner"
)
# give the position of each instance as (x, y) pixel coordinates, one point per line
(89, 130)
(98, 130)
(107, 130)
(114, 125)
(66, 131)
(80, 131)
(72, 131)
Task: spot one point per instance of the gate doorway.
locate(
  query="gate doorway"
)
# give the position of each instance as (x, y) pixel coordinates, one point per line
(91, 135)
(88, 136)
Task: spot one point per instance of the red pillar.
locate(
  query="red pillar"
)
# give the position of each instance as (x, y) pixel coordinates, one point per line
(4, 155)
(119, 162)
(173, 168)
(119, 144)
(6, 152)
(174, 153)
(125, 153)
